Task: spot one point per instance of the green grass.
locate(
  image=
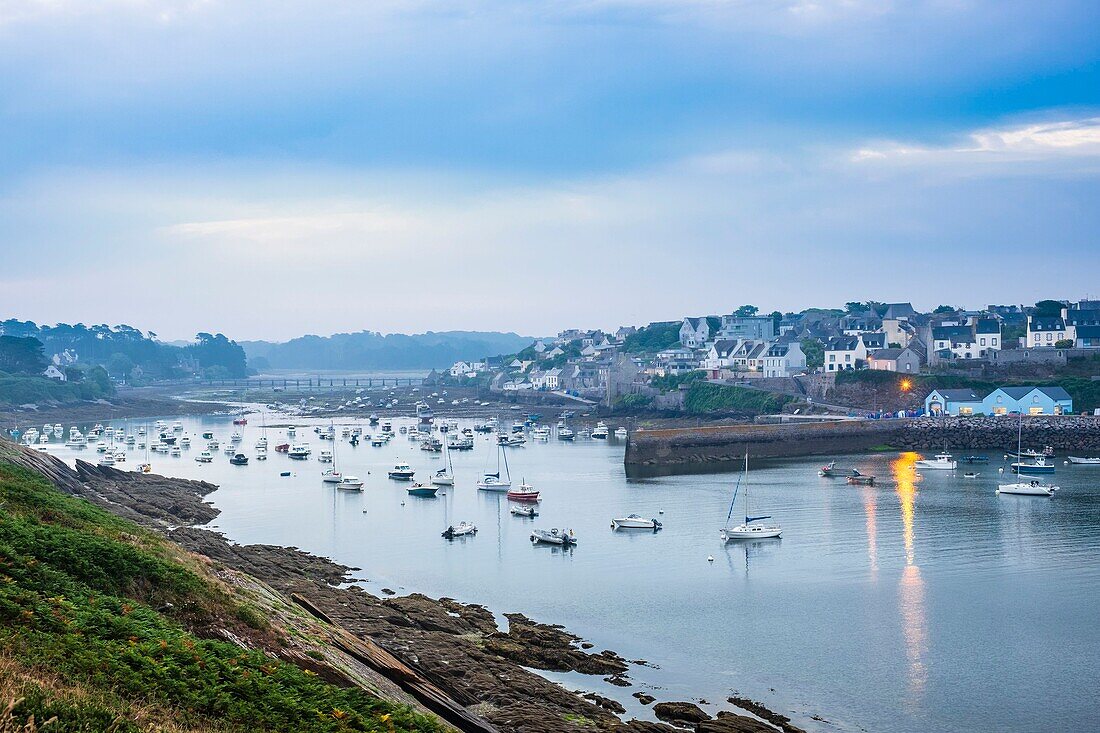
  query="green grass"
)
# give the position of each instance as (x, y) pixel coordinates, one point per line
(79, 593)
(705, 397)
(33, 390)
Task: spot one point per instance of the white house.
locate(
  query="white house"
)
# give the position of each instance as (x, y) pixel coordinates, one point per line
(720, 355)
(784, 360)
(460, 369)
(52, 372)
(1048, 330)
(844, 352)
(894, 360)
(971, 340)
(695, 332)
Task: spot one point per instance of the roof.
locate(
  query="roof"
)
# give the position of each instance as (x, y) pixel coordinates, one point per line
(842, 343)
(723, 347)
(987, 325)
(779, 349)
(1088, 332)
(883, 354)
(1046, 323)
(1083, 317)
(899, 310)
(873, 339)
(958, 395)
(1018, 393)
(1055, 393)
(957, 334)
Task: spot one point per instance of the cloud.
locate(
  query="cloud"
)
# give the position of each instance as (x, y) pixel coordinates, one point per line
(1055, 140)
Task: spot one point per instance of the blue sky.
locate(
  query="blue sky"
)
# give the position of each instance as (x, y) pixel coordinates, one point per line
(269, 169)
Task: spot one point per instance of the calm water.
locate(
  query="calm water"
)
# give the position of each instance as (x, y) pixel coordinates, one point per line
(926, 603)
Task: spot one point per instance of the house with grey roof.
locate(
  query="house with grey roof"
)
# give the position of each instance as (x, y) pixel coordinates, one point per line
(1028, 401)
(906, 360)
(784, 359)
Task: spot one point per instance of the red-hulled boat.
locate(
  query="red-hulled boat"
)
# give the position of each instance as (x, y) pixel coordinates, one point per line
(282, 448)
(525, 492)
(241, 421)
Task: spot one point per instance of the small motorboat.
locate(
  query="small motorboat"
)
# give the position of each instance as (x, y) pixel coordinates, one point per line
(107, 459)
(976, 459)
(1027, 488)
(261, 454)
(635, 521)
(1039, 465)
(462, 529)
(830, 470)
(230, 450)
(241, 421)
(350, 483)
(620, 433)
(554, 536)
(600, 431)
(401, 472)
(205, 457)
(526, 492)
(1018, 454)
(541, 433)
(527, 510)
(1083, 461)
(185, 441)
(325, 456)
(208, 435)
(239, 459)
(861, 480)
(299, 452)
(282, 448)
(971, 474)
(941, 462)
(284, 474)
(419, 489)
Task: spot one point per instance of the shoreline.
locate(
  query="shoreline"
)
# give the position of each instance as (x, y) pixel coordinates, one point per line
(458, 647)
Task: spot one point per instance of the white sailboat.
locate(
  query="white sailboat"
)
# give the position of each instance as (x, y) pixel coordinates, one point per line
(330, 475)
(494, 481)
(752, 528)
(446, 475)
(1026, 486)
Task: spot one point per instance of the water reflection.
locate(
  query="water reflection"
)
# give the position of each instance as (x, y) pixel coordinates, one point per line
(911, 585)
(869, 506)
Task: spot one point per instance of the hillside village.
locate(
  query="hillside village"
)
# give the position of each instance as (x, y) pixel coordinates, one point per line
(794, 353)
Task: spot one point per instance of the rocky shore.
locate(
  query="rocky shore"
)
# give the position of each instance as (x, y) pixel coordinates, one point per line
(449, 657)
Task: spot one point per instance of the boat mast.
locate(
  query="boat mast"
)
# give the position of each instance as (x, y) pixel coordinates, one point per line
(507, 473)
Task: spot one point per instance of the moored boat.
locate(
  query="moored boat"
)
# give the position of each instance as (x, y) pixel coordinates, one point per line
(239, 459)
(1039, 465)
(635, 521)
(421, 490)
(830, 470)
(553, 536)
(350, 483)
(1027, 488)
(401, 472)
(861, 480)
(462, 529)
(525, 493)
(524, 510)
(1083, 461)
(941, 462)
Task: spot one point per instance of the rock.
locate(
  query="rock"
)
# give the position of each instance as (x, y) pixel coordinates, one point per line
(760, 711)
(730, 723)
(389, 592)
(617, 680)
(643, 698)
(605, 703)
(680, 712)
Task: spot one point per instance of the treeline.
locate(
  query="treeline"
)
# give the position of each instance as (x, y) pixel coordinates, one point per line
(126, 353)
(370, 350)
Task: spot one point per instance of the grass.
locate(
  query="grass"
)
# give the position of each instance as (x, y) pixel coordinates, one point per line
(106, 626)
(705, 397)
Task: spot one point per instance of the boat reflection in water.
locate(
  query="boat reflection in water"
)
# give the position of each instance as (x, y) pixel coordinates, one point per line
(911, 584)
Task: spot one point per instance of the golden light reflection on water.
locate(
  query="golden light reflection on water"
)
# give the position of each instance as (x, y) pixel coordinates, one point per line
(869, 507)
(911, 585)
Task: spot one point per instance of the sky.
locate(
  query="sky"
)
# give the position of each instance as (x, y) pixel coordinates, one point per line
(268, 169)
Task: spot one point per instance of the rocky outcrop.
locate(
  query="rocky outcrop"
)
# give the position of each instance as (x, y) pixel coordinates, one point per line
(680, 712)
(1065, 433)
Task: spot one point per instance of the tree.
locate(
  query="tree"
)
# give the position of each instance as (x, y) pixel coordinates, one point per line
(777, 317)
(22, 355)
(746, 311)
(944, 309)
(1063, 344)
(853, 306)
(98, 376)
(815, 353)
(1047, 308)
(120, 365)
(216, 350)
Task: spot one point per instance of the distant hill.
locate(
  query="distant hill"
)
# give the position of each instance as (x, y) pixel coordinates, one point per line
(370, 350)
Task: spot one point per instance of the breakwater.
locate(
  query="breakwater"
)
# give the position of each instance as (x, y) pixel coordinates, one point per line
(686, 449)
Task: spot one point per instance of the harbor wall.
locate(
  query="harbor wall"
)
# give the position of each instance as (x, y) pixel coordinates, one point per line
(712, 447)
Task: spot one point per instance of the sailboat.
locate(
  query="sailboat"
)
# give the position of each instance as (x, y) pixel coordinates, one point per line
(332, 475)
(494, 481)
(1025, 486)
(446, 475)
(750, 529)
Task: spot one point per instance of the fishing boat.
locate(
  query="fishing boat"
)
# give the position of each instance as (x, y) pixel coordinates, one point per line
(553, 536)
(941, 462)
(620, 433)
(635, 521)
(378, 441)
(282, 448)
(462, 529)
(299, 452)
(431, 444)
(1018, 454)
(861, 480)
(830, 470)
(239, 459)
(325, 456)
(600, 432)
(261, 454)
(107, 459)
(1083, 461)
(401, 472)
(751, 528)
(494, 481)
(1039, 465)
(350, 483)
(525, 493)
(524, 510)
(419, 489)
(541, 433)
(971, 474)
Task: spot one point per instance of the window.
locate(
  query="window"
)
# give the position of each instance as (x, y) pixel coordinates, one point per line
(1049, 336)
(847, 357)
(993, 341)
(982, 341)
(832, 357)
